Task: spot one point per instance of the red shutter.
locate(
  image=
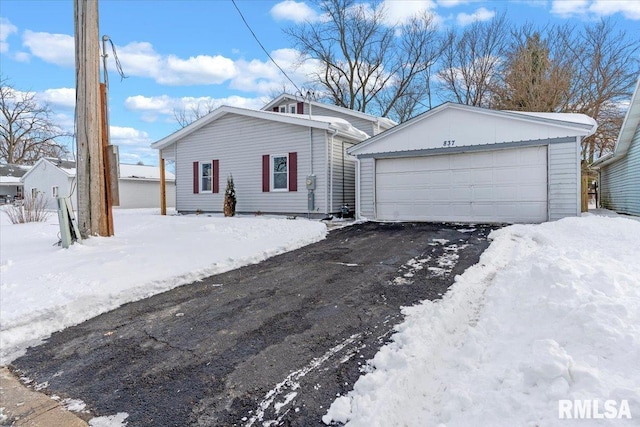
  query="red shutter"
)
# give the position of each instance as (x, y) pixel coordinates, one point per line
(265, 173)
(300, 107)
(293, 171)
(276, 109)
(215, 165)
(196, 177)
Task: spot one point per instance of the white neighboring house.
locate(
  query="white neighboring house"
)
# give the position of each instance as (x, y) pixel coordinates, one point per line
(10, 183)
(139, 186)
(468, 164)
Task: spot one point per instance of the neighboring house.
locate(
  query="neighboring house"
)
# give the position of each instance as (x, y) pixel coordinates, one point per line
(10, 184)
(52, 178)
(138, 185)
(620, 171)
(274, 158)
(371, 125)
(470, 164)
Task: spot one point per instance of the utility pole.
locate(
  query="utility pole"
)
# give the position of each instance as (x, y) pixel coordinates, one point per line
(92, 218)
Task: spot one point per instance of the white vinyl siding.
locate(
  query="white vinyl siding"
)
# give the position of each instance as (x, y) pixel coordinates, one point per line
(364, 125)
(138, 193)
(620, 181)
(564, 180)
(367, 180)
(507, 185)
(45, 175)
(252, 138)
(343, 179)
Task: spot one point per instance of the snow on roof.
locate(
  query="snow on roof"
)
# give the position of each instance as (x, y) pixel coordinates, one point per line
(9, 179)
(9, 171)
(577, 118)
(338, 123)
(142, 172)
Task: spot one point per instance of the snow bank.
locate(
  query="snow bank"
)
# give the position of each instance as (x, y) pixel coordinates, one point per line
(550, 312)
(44, 288)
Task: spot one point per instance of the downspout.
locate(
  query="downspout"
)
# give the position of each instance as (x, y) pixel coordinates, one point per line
(343, 200)
(357, 207)
(330, 204)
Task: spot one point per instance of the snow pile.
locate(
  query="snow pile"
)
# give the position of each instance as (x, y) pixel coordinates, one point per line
(550, 312)
(44, 288)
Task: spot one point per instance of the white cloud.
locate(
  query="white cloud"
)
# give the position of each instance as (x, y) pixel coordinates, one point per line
(589, 9)
(454, 3)
(155, 106)
(6, 29)
(62, 97)
(481, 14)
(128, 136)
(290, 10)
(399, 11)
(57, 49)
(22, 57)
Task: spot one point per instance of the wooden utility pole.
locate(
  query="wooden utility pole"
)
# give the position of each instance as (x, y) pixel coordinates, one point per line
(163, 187)
(92, 218)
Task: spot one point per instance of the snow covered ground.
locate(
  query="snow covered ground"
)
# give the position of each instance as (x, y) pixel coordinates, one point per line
(550, 314)
(45, 288)
(546, 325)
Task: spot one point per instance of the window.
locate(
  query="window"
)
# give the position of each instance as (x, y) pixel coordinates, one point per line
(282, 109)
(279, 174)
(293, 108)
(34, 193)
(54, 191)
(206, 177)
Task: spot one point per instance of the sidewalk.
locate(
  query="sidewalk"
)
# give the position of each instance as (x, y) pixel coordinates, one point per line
(24, 407)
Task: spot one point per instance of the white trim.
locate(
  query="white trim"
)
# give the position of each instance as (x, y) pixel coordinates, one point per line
(200, 176)
(272, 172)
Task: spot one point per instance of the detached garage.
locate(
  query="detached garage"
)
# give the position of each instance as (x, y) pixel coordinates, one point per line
(467, 164)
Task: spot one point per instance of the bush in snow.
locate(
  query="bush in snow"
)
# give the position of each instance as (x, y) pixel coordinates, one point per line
(32, 209)
(230, 198)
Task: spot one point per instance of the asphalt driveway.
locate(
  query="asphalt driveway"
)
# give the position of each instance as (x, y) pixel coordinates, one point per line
(275, 341)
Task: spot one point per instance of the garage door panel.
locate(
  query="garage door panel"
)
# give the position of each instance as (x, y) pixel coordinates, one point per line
(493, 186)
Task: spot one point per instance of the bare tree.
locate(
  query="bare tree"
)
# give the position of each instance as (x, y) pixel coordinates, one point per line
(366, 64)
(186, 116)
(27, 131)
(471, 59)
(606, 68)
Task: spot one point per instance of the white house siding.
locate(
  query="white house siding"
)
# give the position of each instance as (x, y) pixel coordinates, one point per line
(564, 180)
(349, 196)
(620, 181)
(364, 125)
(367, 181)
(44, 176)
(136, 193)
(239, 155)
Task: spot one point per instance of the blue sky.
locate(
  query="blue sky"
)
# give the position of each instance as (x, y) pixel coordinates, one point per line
(179, 53)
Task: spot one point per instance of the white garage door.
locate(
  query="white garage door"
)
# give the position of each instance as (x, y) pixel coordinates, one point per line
(490, 186)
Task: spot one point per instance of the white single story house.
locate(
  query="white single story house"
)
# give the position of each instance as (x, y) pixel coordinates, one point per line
(281, 163)
(138, 185)
(11, 187)
(371, 125)
(619, 181)
(459, 163)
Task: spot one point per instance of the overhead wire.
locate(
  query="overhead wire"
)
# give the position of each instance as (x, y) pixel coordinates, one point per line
(263, 48)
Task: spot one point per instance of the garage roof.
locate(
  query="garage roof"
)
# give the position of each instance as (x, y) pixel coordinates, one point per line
(451, 126)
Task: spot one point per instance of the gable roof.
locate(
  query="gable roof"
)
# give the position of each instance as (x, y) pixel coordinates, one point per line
(628, 130)
(385, 122)
(340, 126)
(575, 124)
(68, 167)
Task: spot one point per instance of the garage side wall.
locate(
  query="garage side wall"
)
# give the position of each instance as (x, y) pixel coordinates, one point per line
(564, 180)
(366, 204)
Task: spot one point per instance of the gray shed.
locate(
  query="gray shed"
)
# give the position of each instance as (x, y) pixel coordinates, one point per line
(620, 170)
(468, 164)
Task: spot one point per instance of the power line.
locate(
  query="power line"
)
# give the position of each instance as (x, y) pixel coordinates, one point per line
(263, 48)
